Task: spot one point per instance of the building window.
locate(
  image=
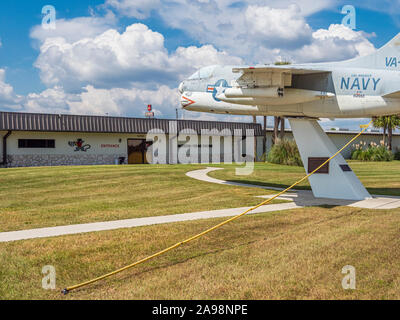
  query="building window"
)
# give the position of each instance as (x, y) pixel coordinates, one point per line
(36, 143)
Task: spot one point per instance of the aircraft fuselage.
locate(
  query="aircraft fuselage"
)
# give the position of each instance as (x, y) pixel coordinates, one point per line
(340, 92)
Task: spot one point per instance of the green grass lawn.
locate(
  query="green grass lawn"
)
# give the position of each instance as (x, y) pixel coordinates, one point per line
(381, 178)
(297, 254)
(47, 197)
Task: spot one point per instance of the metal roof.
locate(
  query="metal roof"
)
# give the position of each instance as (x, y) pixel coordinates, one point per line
(13, 121)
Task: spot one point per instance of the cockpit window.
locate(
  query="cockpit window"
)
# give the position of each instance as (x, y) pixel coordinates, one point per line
(195, 76)
(204, 73)
(207, 72)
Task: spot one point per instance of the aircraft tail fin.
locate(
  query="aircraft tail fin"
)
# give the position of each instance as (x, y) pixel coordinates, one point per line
(387, 57)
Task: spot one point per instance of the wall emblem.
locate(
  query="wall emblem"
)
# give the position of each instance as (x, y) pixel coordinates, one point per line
(79, 145)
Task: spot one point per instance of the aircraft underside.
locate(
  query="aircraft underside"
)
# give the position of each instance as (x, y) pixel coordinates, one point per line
(321, 107)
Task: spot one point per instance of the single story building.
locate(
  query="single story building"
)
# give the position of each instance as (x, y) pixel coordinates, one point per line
(28, 139)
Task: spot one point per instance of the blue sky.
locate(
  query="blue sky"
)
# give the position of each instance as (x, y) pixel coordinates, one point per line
(172, 39)
(17, 53)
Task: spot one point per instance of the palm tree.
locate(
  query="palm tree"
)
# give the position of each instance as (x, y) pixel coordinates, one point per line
(278, 133)
(277, 121)
(282, 135)
(387, 123)
(393, 122)
(380, 122)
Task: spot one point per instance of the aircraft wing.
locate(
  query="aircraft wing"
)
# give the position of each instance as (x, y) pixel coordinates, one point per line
(270, 76)
(393, 95)
(278, 69)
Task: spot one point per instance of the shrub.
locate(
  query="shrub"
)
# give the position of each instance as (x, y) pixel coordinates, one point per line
(285, 152)
(371, 152)
(397, 154)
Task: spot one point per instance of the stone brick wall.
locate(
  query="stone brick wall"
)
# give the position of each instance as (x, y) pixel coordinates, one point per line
(62, 160)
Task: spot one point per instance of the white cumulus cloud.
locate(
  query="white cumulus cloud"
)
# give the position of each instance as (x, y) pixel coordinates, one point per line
(241, 28)
(112, 59)
(119, 101)
(8, 98)
(335, 44)
(95, 101)
(286, 24)
(75, 29)
(52, 100)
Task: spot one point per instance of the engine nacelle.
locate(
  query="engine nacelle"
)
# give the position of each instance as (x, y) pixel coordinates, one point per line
(259, 96)
(271, 92)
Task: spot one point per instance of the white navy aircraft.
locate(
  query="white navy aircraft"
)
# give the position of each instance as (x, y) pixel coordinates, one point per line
(364, 87)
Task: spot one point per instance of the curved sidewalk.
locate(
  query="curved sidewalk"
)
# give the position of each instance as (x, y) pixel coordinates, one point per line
(202, 175)
(304, 198)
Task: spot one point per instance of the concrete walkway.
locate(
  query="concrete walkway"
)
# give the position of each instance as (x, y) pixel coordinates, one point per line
(202, 175)
(304, 198)
(131, 223)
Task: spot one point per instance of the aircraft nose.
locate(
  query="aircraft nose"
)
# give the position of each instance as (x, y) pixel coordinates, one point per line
(185, 101)
(180, 88)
